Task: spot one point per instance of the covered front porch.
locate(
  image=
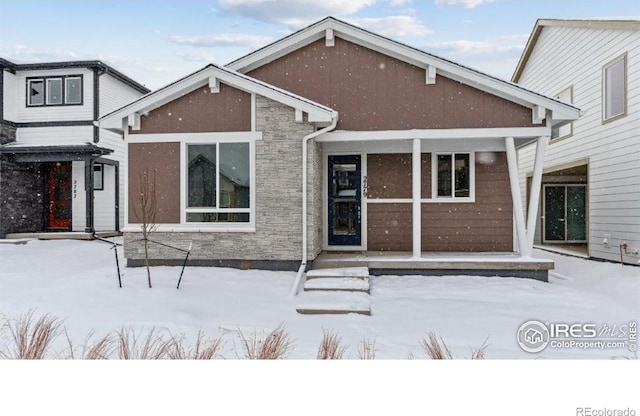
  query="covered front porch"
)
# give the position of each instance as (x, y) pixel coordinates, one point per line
(404, 215)
(51, 190)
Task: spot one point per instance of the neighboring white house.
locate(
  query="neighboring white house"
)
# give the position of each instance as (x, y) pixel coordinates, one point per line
(58, 171)
(590, 199)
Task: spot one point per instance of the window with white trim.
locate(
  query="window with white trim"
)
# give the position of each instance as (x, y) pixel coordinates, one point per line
(54, 91)
(614, 84)
(566, 130)
(218, 182)
(453, 176)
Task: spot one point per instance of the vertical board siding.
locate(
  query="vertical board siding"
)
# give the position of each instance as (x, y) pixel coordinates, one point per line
(201, 111)
(373, 91)
(575, 56)
(164, 160)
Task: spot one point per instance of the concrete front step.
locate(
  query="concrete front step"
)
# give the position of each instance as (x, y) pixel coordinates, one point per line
(361, 272)
(334, 302)
(354, 284)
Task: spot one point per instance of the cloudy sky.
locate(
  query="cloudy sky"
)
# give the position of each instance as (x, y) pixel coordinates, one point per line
(156, 42)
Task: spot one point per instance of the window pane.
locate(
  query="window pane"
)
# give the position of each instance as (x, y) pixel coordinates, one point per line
(201, 161)
(614, 89)
(462, 175)
(217, 217)
(444, 175)
(73, 91)
(36, 92)
(97, 177)
(54, 91)
(234, 175)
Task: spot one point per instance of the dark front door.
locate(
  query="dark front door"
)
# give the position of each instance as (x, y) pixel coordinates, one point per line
(60, 196)
(345, 197)
(565, 213)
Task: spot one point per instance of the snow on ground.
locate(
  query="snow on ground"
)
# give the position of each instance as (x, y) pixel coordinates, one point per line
(77, 282)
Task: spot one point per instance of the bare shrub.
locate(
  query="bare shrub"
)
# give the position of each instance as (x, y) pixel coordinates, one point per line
(330, 348)
(276, 345)
(436, 348)
(101, 349)
(203, 349)
(31, 338)
(132, 346)
(367, 349)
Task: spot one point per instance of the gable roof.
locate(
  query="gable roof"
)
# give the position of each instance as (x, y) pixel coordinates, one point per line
(411, 55)
(610, 24)
(13, 67)
(205, 76)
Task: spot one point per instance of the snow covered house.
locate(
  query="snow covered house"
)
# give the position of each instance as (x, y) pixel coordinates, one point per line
(352, 146)
(59, 172)
(591, 181)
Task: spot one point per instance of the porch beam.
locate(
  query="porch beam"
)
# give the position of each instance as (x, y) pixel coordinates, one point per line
(416, 186)
(516, 197)
(436, 134)
(536, 185)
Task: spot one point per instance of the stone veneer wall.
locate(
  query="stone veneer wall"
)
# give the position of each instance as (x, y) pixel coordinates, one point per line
(21, 197)
(278, 236)
(21, 192)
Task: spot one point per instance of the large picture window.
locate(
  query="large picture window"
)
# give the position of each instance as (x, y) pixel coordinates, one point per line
(52, 91)
(218, 179)
(615, 88)
(453, 176)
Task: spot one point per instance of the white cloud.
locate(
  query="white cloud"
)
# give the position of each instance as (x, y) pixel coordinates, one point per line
(197, 55)
(27, 54)
(297, 13)
(465, 47)
(392, 26)
(470, 4)
(223, 39)
(496, 56)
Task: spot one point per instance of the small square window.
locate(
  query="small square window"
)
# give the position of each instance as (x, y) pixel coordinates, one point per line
(73, 90)
(453, 176)
(54, 91)
(98, 177)
(35, 92)
(614, 88)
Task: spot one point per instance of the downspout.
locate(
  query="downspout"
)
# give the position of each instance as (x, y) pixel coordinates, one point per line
(305, 145)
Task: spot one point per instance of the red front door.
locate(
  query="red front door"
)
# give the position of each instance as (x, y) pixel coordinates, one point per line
(60, 196)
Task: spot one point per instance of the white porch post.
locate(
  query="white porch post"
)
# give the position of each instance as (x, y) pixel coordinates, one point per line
(536, 183)
(518, 211)
(416, 181)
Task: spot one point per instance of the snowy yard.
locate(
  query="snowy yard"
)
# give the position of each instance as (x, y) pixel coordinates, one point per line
(77, 282)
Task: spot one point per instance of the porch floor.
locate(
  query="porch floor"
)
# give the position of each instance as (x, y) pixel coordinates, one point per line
(438, 263)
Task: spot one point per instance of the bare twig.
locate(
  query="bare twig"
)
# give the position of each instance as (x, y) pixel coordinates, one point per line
(330, 348)
(32, 338)
(276, 345)
(367, 349)
(436, 348)
(203, 349)
(152, 347)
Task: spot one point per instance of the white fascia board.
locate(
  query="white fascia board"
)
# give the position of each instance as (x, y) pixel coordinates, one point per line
(435, 134)
(483, 82)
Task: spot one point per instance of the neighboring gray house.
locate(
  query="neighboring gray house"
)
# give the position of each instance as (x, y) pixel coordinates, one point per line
(591, 183)
(58, 171)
